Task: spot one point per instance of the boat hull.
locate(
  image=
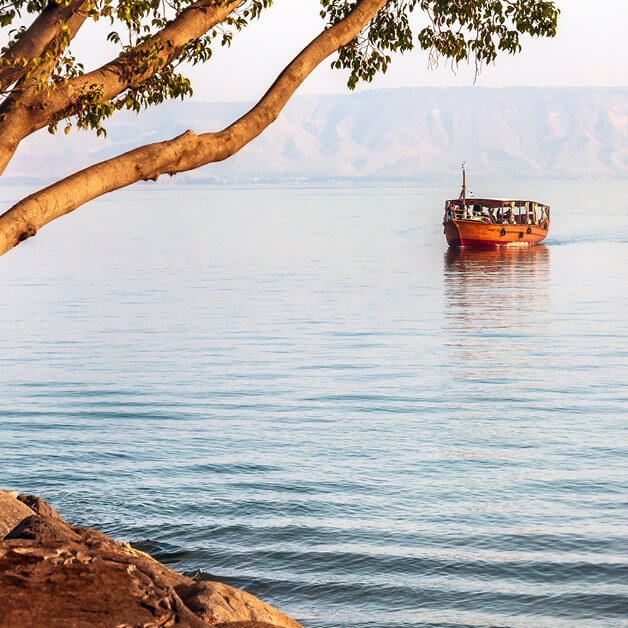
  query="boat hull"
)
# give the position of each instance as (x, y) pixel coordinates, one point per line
(481, 234)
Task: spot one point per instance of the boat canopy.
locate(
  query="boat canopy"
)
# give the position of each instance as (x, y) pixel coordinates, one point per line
(493, 202)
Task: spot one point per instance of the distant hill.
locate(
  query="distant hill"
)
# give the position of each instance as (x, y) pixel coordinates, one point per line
(413, 134)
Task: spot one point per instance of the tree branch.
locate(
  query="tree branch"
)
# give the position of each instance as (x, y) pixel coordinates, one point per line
(185, 152)
(117, 75)
(18, 120)
(38, 37)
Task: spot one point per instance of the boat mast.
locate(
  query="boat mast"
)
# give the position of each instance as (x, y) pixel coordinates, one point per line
(463, 194)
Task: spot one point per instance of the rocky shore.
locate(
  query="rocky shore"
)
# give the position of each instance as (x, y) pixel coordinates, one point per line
(54, 574)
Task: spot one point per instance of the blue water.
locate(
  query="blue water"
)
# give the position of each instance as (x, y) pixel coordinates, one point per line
(302, 393)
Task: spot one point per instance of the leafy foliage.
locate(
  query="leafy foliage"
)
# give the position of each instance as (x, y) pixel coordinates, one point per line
(458, 31)
(135, 27)
(463, 30)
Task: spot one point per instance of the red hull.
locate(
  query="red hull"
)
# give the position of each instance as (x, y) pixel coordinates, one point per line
(479, 234)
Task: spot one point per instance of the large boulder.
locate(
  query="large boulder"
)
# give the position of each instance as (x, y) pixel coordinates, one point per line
(57, 575)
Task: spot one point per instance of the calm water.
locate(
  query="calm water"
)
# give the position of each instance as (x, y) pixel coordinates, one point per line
(302, 393)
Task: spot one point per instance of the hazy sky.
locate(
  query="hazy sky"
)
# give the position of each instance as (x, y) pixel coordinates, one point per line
(588, 50)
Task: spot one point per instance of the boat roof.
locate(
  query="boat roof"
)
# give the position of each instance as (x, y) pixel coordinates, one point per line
(493, 202)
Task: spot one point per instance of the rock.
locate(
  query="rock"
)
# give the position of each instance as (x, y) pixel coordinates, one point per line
(56, 575)
(43, 529)
(12, 511)
(61, 584)
(39, 506)
(218, 603)
(245, 624)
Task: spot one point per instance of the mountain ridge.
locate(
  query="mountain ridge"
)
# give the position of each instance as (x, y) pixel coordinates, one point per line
(403, 134)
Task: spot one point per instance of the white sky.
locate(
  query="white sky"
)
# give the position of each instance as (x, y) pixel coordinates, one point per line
(589, 50)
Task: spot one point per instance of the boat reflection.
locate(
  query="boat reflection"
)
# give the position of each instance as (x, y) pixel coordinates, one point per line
(496, 308)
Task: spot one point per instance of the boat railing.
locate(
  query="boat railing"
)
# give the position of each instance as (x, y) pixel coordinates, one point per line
(460, 214)
(499, 216)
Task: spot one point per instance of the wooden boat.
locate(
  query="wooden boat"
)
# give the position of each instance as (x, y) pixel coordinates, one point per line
(489, 222)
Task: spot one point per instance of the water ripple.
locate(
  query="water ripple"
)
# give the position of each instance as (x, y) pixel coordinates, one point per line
(307, 397)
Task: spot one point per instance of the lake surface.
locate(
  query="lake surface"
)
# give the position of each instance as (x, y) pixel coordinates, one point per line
(303, 393)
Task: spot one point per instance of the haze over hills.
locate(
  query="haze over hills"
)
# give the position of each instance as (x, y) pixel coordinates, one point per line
(413, 134)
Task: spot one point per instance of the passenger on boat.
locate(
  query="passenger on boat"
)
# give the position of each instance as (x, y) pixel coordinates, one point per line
(543, 214)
